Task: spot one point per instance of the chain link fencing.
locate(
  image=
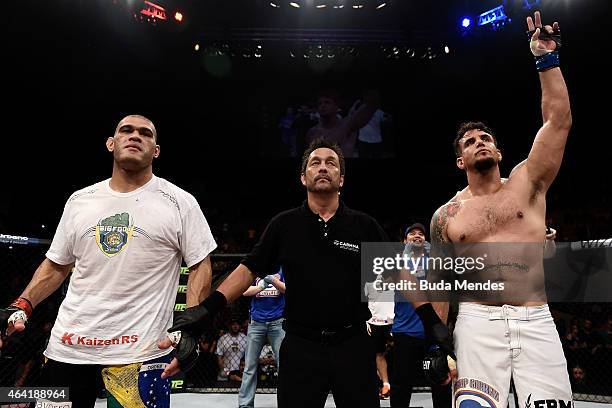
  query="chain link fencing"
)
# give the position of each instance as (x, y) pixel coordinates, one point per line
(585, 330)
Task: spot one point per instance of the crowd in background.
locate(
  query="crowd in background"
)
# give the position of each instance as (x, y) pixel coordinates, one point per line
(585, 329)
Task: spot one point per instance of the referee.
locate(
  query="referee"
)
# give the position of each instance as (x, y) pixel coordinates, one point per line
(326, 346)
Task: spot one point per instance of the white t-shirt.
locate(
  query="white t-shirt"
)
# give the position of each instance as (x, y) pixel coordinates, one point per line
(127, 249)
(372, 133)
(232, 349)
(381, 305)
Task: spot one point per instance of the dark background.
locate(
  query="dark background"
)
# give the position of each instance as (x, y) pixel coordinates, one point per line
(72, 69)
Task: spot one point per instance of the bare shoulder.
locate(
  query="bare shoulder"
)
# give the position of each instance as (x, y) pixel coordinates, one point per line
(440, 219)
(519, 168)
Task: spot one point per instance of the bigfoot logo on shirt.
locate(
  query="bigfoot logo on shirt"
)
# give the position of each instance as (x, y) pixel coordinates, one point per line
(113, 233)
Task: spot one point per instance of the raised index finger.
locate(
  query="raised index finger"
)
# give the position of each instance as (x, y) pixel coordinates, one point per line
(530, 26)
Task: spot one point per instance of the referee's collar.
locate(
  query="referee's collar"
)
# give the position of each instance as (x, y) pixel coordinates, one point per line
(305, 209)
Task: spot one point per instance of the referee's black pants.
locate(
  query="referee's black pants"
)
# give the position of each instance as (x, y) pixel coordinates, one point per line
(310, 369)
(408, 353)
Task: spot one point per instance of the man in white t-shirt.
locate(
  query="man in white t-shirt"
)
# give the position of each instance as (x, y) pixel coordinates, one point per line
(126, 237)
(230, 349)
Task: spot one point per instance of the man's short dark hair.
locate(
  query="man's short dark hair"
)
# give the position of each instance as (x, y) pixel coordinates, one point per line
(319, 144)
(135, 115)
(466, 127)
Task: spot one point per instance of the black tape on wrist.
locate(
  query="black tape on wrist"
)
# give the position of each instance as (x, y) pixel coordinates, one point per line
(428, 315)
(215, 302)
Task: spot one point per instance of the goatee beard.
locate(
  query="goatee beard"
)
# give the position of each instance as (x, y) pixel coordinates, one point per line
(326, 190)
(485, 164)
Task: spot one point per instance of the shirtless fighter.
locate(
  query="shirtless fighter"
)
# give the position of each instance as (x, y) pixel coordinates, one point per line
(495, 341)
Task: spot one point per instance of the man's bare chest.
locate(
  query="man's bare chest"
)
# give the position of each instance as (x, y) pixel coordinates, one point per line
(482, 218)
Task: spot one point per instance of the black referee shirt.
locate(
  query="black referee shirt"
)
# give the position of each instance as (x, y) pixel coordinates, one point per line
(321, 264)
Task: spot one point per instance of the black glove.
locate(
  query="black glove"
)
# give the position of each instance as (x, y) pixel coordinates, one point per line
(187, 351)
(435, 330)
(435, 366)
(546, 36)
(195, 318)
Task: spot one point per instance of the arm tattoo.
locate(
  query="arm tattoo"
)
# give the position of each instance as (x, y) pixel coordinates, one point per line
(440, 219)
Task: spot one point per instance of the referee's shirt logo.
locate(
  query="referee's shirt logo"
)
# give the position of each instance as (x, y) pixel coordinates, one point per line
(346, 246)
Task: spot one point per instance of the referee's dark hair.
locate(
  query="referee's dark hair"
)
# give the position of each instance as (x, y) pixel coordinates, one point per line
(319, 144)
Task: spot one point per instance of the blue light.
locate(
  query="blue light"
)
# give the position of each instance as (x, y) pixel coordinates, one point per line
(496, 15)
(465, 23)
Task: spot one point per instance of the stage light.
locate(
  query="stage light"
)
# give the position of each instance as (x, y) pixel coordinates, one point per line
(446, 49)
(274, 5)
(153, 11)
(321, 6)
(381, 5)
(529, 4)
(178, 16)
(294, 4)
(466, 22)
(197, 47)
(494, 16)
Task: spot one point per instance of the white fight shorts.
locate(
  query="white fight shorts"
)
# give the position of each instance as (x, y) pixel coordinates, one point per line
(495, 343)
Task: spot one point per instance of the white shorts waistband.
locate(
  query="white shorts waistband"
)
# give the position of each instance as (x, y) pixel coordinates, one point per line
(504, 312)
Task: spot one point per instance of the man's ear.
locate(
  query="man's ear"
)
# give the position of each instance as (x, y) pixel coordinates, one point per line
(341, 181)
(156, 154)
(303, 179)
(460, 163)
(110, 144)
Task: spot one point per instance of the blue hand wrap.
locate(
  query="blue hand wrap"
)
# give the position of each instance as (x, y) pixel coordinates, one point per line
(547, 61)
(551, 59)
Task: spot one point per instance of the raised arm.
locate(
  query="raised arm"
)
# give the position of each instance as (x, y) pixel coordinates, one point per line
(547, 151)
(361, 115)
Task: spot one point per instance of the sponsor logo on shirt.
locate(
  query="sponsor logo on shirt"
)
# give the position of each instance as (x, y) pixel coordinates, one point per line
(346, 246)
(271, 292)
(547, 403)
(73, 339)
(473, 393)
(115, 232)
